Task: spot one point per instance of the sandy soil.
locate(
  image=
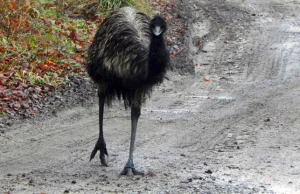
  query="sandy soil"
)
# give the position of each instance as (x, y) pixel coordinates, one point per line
(232, 127)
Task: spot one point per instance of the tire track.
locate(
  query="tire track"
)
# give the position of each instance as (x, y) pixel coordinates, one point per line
(235, 132)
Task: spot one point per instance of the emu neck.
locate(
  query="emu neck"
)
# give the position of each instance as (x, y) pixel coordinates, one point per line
(158, 56)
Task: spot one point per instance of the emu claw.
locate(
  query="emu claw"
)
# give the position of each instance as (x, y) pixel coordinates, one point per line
(127, 170)
(103, 151)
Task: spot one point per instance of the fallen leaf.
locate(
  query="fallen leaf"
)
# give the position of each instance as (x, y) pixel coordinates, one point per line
(72, 35)
(180, 31)
(99, 19)
(50, 63)
(172, 56)
(206, 80)
(13, 4)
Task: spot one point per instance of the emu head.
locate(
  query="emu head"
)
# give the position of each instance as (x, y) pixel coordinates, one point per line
(158, 25)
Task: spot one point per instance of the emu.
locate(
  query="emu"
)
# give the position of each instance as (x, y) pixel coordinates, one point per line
(126, 59)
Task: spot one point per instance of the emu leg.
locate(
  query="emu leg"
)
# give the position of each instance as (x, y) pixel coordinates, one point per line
(135, 114)
(100, 144)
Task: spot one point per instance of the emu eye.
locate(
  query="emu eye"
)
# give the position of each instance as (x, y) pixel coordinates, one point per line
(157, 30)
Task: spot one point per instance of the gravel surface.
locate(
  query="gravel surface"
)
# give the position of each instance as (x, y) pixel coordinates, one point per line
(226, 121)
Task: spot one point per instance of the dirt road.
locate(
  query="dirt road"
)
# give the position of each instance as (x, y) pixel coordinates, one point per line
(232, 127)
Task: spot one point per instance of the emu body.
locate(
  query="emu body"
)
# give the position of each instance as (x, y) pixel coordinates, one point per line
(126, 59)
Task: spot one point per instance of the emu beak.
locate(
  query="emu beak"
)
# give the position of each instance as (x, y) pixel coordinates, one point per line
(157, 30)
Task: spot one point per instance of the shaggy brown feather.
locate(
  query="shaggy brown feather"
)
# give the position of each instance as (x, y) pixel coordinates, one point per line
(118, 59)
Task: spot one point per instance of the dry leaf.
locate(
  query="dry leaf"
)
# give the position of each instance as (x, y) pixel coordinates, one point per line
(206, 80)
(172, 56)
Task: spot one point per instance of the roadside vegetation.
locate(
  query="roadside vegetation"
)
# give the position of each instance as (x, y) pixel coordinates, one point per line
(43, 43)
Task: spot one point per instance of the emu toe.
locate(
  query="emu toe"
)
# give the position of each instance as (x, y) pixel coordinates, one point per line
(101, 146)
(131, 170)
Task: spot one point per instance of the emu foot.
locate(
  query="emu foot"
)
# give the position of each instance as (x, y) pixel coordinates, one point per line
(101, 146)
(129, 170)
